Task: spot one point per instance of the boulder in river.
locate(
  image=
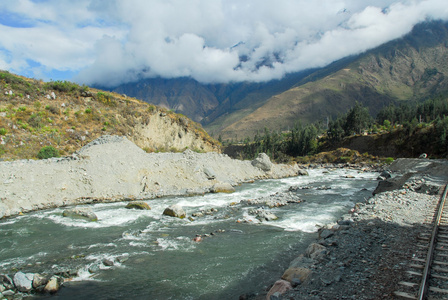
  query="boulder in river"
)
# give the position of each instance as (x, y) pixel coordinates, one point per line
(223, 187)
(23, 281)
(80, 213)
(53, 285)
(39, 280)
(142, 205)
(175, 211)
(302, 172)
(263, 162)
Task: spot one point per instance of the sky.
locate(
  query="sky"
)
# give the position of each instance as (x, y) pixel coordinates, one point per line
(110, 42)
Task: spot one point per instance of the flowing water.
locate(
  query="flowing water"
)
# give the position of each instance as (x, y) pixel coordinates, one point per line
(155, 256)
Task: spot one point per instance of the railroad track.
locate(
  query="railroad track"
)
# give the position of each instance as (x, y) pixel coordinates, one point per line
(429, 267)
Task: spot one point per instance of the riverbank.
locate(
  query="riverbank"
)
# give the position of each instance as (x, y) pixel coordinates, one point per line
(367, 253)
(112, 168)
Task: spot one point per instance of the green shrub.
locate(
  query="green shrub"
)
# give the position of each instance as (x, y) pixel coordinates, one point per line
(47, 152)
(3, 131)
(389, 160)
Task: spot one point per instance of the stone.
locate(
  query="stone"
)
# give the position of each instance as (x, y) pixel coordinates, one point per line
(80, 213)
(301, 274)
(302, 262)
(8, 293)
(23, 281)
(2, 288)
(138, 205)
(53, 96)
(301, 172)
(7, 282)
(209, 173)
(175, 211)
(108, 262)
(222, 187)
(93, 268)
(386, 174)
(315, 251)
(266, 216)
(280, 286)
(39, 280)
(263, 162)
(52, 285)
(326, 233)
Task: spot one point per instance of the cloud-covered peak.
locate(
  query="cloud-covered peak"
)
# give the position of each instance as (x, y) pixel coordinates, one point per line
(116, 41)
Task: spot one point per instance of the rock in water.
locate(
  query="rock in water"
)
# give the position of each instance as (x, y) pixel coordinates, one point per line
(138, 205)
(78, 213)
(223, 187)
(263, 162)
(53, 285)
(23, 282)
(175, 211)
(39, 280)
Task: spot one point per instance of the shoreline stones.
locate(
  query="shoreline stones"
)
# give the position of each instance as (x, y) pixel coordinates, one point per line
(22, 284)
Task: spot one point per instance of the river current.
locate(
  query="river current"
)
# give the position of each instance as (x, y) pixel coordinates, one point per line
(155, 256)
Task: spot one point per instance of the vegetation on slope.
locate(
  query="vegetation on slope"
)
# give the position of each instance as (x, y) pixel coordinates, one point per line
(403, 130)
(66, 116)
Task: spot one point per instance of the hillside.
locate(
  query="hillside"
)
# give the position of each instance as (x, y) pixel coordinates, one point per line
(412, 68)
(67, 116)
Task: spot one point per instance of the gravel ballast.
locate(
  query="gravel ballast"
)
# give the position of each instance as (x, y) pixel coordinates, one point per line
(367, 253)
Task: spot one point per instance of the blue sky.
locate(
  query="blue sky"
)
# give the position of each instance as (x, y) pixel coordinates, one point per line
(109, 42)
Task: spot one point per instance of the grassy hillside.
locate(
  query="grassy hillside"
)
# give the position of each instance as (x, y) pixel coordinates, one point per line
(34, 114)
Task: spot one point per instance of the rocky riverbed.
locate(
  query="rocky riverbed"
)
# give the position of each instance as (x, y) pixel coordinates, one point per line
(112, 168)
(366, 253)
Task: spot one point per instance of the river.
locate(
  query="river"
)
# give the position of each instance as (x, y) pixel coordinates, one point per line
(155, 256)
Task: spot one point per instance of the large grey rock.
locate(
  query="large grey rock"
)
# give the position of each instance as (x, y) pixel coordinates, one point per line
(23, 281)
(263, 162)
(80, 213)
(175, 211)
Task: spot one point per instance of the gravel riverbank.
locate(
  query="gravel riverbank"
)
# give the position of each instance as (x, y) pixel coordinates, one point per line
(112, 168)
(369, 250)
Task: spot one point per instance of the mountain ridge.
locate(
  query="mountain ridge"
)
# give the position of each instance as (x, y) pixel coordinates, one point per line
(413, 67)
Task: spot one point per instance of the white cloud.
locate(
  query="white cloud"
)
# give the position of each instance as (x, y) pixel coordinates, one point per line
(113, 41)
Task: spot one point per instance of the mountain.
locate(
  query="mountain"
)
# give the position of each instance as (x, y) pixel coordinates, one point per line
(410, 68)
(67, 116)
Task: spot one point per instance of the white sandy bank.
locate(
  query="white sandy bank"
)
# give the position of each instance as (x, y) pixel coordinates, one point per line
(112, 168)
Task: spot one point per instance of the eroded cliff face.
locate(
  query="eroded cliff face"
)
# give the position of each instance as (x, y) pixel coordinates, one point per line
(164, 132)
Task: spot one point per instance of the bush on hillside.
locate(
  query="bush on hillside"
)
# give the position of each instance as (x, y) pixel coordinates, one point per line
(47, 152)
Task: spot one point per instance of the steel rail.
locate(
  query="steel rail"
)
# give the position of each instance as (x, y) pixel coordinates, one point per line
(425, 278)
